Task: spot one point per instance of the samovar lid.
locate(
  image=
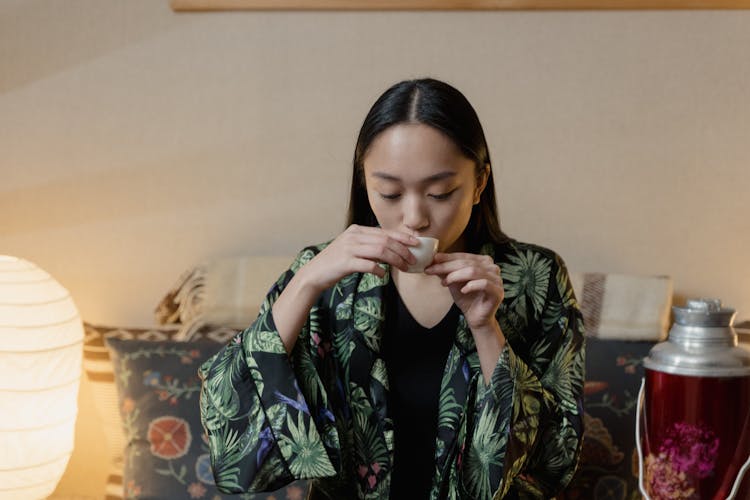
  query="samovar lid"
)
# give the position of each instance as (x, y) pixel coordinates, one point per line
(702, 342)
(703, 312)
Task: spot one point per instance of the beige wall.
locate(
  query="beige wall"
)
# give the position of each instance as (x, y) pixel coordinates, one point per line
(135, 142)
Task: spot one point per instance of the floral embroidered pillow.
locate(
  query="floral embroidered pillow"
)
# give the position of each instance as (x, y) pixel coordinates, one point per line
(166, 455)
(608, 467)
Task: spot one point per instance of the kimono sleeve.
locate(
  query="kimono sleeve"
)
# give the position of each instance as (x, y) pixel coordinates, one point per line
(524, 433)
(263, 432)
(559, 360)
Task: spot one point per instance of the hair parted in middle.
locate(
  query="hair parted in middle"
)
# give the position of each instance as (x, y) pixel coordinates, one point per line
(439, 105)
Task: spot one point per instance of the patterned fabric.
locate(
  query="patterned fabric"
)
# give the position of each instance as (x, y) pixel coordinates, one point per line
(609, 461)
(166, 454)
(323, 412)
(100, 374)
(591, 302)
(221, 292)
(183, 301)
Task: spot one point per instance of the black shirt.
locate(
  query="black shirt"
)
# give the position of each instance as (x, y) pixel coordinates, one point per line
(415, 358)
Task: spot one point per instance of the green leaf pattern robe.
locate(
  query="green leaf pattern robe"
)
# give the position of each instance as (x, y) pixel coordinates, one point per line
(321, 413)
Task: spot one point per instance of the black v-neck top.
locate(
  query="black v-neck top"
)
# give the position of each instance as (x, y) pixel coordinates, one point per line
(415, 359)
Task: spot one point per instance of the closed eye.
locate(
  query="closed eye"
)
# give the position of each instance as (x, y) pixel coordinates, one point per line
(394, 196)
(442, 196)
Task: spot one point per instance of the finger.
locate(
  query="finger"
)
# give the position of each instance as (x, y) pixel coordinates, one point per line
(445, 267)
(446, 257)
(383, 244)
(368, 266)
(382, 253)
(463, 275)
(486, 286)
(405, 238)
(396, 240)
(475, 262)
(469, 273)
(441, 257)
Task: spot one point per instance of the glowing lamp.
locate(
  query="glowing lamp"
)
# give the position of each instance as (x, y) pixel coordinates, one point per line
(40, 368)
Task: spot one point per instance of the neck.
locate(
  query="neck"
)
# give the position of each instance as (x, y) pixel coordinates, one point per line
(418, 279)
(458, 246)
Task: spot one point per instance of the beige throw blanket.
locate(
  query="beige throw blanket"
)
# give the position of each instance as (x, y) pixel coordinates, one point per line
(224, 292)
(624, 307)
(184, 301)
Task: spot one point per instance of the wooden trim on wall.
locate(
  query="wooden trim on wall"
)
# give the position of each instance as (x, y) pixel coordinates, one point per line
(207, 5)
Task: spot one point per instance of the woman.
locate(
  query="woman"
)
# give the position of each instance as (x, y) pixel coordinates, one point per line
(464, 381)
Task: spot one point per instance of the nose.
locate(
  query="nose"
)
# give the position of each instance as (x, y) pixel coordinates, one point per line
(415, 216)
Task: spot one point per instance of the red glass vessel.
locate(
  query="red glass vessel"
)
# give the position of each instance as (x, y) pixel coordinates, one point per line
(695, 421)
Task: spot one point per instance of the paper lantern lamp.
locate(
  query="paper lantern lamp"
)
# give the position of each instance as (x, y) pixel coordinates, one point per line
(41, 338)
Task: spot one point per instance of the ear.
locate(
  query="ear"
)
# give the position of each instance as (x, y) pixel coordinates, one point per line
(481, 183)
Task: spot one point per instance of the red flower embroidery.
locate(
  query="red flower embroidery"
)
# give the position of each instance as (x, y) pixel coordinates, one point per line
(132, 489)
(196, 490)
(593, 386)
(169, 437)
(294, 492)
(128, 405)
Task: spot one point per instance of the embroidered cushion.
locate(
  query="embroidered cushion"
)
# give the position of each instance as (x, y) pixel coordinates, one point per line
(100, 374)
(166, 453)
(608, 468)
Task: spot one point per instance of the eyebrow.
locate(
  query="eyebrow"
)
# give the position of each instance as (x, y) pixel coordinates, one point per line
(436, 177)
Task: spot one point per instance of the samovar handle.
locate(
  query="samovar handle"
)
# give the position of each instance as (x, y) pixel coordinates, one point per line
(738, 481)
(638, 413)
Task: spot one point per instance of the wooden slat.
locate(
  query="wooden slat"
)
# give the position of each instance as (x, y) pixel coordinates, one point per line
(198, 5)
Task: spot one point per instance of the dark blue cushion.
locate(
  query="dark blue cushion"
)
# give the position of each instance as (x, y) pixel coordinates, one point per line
(608, 467)
(166, 456)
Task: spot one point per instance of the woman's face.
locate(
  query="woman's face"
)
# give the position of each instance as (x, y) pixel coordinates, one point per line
(419, 182)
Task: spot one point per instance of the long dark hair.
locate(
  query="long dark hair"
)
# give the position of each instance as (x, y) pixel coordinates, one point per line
(444, 108)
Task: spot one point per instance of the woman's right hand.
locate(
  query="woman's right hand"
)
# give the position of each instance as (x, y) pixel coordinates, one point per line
(359, 249)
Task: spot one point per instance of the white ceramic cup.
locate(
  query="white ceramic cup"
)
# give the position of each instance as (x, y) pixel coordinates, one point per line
(424, 253)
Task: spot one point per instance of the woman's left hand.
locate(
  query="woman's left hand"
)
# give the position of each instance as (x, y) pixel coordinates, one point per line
(475, 284)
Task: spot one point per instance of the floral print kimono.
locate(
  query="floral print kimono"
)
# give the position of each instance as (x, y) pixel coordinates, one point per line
(322, 413)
